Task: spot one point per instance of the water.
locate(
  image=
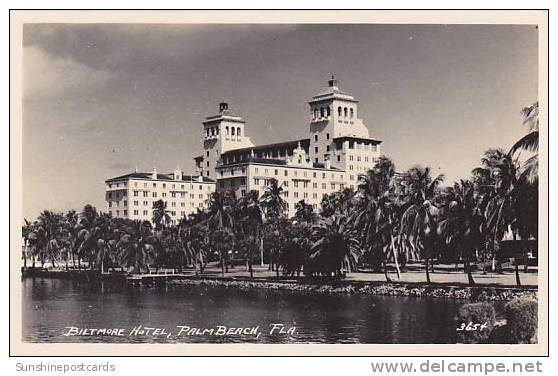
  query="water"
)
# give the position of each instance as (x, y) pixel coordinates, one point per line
(50, 306)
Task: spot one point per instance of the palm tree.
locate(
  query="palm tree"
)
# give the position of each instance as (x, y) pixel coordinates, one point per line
(498, 181)
(107, 237)
(375, 211)
(336, 247)
(304, 213)
(295, 248)
(272, 202)
(221, 222)
(88, 235)
(48, 236)
(529, 142)
(418, 221)
(336, 202)
(274, 208)
(194, 240)
(463, 222)
(161, 216)
(26, 231)
(250, 225)
(135, 247)
(72, 227)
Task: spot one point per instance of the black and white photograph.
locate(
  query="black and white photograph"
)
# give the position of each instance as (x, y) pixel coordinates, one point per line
(225, 182)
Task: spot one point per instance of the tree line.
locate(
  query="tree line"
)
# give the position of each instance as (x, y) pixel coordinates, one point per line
(389, 219)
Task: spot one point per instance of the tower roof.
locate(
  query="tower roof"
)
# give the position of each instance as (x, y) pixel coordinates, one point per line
(224, 114)
(332, 92)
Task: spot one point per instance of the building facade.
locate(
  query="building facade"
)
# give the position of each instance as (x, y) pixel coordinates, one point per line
(337, 151)
(132, 195)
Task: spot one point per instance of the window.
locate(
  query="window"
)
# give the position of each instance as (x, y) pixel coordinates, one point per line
(339, 111)
(276, 172)
(323, 185)
(316, 149)
(232, 131)
(352, 113)
(345, 112)
(316, 137)
(321, 112)
(286, 183)
(327, 148)
(154, 194)
(338, 158)
(315, 185)
(286, 173)
(110, 204)
(327, 136)
(136, 193)
(154, 185)
(328, 111)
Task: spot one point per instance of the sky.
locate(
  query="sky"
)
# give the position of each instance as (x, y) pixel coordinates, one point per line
(100, 99)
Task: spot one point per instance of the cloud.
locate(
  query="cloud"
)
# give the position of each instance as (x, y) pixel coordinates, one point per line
(47, 75)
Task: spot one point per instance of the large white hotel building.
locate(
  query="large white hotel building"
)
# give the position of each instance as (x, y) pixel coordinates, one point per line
(339, 149)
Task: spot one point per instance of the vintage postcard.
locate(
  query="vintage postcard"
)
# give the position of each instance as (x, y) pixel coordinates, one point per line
(279, 183)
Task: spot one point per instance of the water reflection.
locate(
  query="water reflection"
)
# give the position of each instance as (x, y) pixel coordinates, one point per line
(49, 306)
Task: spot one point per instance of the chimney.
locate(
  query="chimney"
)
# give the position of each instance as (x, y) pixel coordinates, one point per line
(200, 178)
(154, 174)
(223, 107)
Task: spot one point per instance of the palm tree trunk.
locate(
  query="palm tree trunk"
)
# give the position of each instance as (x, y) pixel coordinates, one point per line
(517, 280)
(386, 272)
(426, 262)
(250, 269)
(25, 255)
(468, 271)
(261, 252)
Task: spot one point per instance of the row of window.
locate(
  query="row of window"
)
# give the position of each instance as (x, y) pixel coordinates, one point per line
(323, 112)
(229, 131)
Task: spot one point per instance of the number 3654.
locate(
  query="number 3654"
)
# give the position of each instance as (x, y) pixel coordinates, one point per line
(470, 326)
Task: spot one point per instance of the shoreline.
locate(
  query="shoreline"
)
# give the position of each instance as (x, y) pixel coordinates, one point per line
(404, 289)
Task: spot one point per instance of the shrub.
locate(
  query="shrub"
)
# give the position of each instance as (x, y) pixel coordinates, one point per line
(522, 320)
(470, 318)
